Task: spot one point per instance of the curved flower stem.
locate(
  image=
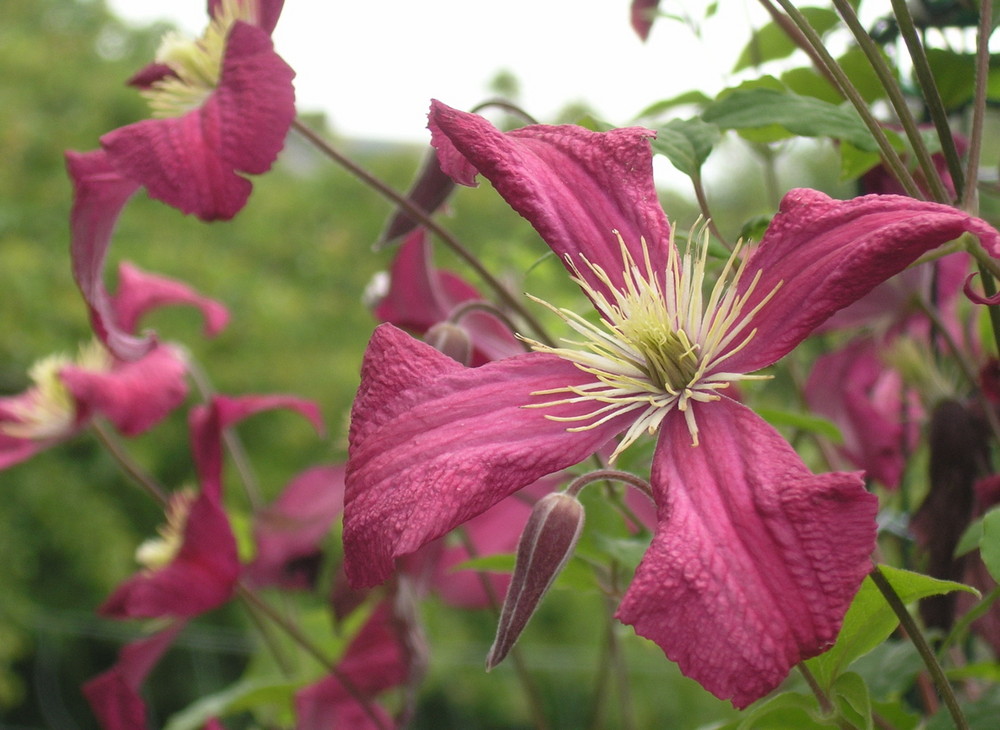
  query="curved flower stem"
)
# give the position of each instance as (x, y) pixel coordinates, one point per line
(896, 98)
(931, 96)
(917, 637)
(507, 106)
(969, 195)
(577, 485)
(420, 215)
(295, 633)
(520, 668)
(844, 86)
(699, 194)
(125, 462)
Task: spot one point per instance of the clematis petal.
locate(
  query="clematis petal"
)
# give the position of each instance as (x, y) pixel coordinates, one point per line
(854, 389)
(99, 194)
(827, 253)
(140, 292)
(754, 560)
(267, 11)
(114, 695)
(208, 422)
(289, 533)
(201, 576)
(375, 661)
(190, 162)
(421, 296)
(134, 396)
(433, 444)
(574, 186)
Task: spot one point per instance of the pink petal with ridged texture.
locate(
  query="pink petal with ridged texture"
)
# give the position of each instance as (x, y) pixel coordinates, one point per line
(201, 576)
(829, 253)
(140, 292)
(99, 194)
(189, 162)
(433, 444)
(208, 422)
(134, 396)
(255, 101)
(755, 559)
(292, 530)
(114, 695)
(574, 186)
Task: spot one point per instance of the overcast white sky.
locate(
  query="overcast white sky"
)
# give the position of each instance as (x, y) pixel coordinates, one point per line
(374, 66)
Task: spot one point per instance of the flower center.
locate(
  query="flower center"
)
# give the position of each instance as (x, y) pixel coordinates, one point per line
(660, 344)
(158, 552)
(196, 63)
(48, 410)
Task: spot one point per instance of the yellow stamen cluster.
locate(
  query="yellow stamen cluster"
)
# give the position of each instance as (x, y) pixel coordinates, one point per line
(158, 552)
(660, 344)
(48, 409)
(197, 63)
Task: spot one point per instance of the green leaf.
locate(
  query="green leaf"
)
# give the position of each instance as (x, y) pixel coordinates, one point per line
(870, 620)
(687, 143)
(989, 544)
(803, 422)
(688, 98)
(806, 116)
(854, 162)
(970, 539)
(771, 42)
(786, 710)
(243, 695)
(850, 693)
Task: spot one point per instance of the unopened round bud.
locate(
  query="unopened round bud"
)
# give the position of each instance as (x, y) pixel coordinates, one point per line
(452, 340)
(546, 544)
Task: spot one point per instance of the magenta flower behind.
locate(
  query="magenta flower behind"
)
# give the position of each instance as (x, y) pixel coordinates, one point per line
(755, 558)
(223, 105)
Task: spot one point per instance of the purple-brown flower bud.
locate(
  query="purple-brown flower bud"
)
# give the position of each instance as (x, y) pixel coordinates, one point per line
(452, 340)
(546, 544)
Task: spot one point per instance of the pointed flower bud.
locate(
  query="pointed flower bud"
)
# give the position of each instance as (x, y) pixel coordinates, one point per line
(546, 544)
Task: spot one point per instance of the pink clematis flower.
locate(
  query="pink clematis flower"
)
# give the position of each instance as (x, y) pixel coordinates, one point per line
(869, 404)
(133, 395)
(375, 661)
(755, 558)
(191, 568)
(642, 14)
(223, 105)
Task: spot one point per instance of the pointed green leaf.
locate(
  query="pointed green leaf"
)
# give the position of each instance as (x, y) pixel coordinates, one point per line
(788, 709)
(752, 109)
(687, 143)
(989, 544)
(850, 693)
(771, 42)
(802, 422)
(870, 620)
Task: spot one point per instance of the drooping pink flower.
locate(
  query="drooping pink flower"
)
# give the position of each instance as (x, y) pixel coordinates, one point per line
(289, 534)
(133, 395)
(869, 404)
(420, 296)
(223, 105)
(100, 195)
(375, 661)
(755, 559)
(190, 569)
